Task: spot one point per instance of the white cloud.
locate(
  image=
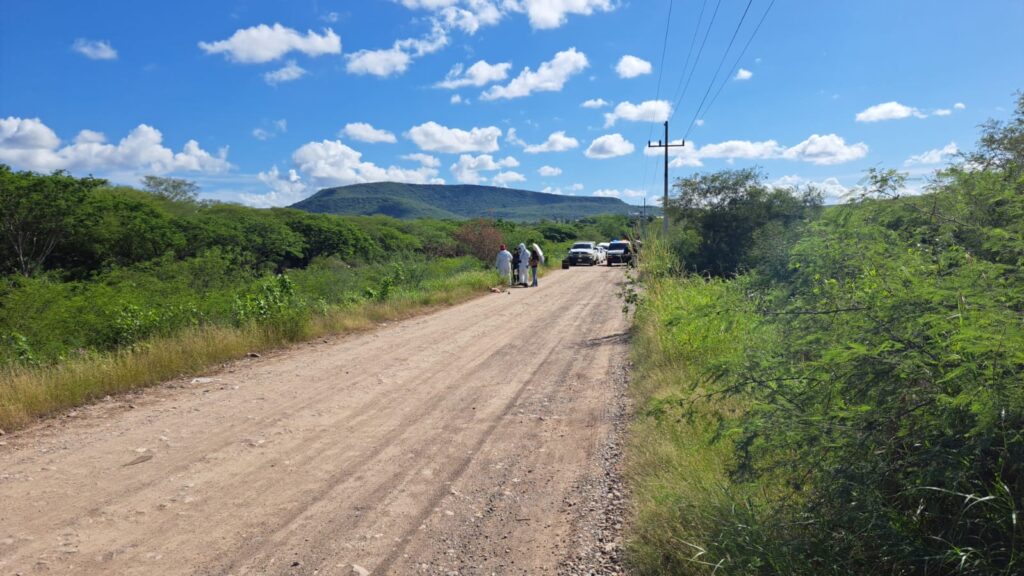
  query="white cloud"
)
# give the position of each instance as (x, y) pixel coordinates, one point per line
(546, 14)
(556, 142)
(291, 71)
(549, 171)
(364, 132)
(265, 43)
(332, 163)
(434, 137)
(396, 60)
(959, 106)
(889, 111)
(826, 150)
(503, 179)
(648, 111)
(455, 99)
(28, 144)
(631, 67)
(615, 193)
(94, 49)
(551, 76)
(467, 170)
(831, 188)
(698, 122)
(576, 187)
(284, 190)
(479, 74)
(595, 103)
(279, 127)
(743, 74)
(942, 112)
(936, 156)
(467, 15)
(424, 159)
(513, 138)
(609, 146)
(817, 149)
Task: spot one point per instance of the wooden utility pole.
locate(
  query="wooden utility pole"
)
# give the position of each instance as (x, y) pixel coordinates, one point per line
(664, 203)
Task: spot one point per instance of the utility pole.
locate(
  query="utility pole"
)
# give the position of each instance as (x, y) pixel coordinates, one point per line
(664, 203)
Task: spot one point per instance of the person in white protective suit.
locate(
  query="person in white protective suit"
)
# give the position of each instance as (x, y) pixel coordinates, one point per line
(524, 264)
(504, 264)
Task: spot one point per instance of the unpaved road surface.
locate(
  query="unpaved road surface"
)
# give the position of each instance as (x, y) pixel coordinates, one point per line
(473, 440)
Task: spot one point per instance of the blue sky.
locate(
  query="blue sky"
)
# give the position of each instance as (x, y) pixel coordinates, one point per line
(265, 102)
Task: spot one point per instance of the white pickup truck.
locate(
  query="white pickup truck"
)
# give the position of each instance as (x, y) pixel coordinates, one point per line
(584, 253)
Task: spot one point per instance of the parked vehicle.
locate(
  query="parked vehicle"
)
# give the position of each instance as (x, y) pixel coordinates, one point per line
(583, 253)
(620, 252)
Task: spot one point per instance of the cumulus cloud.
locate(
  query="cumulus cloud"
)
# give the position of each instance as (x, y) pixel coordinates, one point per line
(284, 189)
(264, 43)
(615, 193)
(648, 111)
(942, 112)
(631, 67)
(831, 188)
(28, 144)
(291, 71)
(513, 138)
(94, 49)
(546, 14)
(467, 170)
(551, 76)
(595, 103)
(743, 74)
(556, 142)
(936, 156)
(396, 60)
(479, 74)
(549, 171)
(823, 150)
(609, 146)
(470, 15)
(364, 132)
(277, 127)
(959, 106)
(433, 137)
(503, 179)
(423, 159)
(332, 163)
(888, 111)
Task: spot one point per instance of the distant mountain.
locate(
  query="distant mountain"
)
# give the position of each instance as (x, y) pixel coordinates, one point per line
(458, 202)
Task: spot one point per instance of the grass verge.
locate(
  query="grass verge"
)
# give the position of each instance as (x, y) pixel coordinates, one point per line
(31, 392)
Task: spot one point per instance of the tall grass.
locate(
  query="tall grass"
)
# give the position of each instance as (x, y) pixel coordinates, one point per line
(29, 391)
(687, 330)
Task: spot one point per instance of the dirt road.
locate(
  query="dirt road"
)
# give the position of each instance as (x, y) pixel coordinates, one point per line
(473, 440)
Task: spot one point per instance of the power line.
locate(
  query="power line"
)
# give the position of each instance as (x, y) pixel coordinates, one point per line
(736, 63)
(657, 92)
(696, 61)
(719, 68)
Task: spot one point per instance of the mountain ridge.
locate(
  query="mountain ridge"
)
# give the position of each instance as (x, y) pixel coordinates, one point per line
(458, 202)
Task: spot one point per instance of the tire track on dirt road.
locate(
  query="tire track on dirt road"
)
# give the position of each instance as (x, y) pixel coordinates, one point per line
(410, 449)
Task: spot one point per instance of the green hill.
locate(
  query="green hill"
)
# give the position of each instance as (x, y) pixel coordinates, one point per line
(458, 202)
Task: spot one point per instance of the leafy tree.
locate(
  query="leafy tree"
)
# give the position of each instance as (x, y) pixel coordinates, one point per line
(173, 189)
(37, 213)
(725, 210)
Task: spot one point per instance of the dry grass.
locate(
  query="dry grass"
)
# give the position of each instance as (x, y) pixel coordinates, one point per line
(28, 393)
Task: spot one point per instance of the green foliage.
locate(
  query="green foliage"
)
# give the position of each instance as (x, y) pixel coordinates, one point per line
(173, 189)
(727, 217)
(457, 202)
(36, 215)
(873, 415)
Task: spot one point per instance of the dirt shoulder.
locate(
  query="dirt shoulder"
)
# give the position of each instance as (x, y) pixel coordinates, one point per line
(466, 441)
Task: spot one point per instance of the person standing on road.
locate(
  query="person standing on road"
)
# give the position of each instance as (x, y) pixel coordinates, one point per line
(536, 257)
(516, 280)
(504, 264)
(524, 263)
